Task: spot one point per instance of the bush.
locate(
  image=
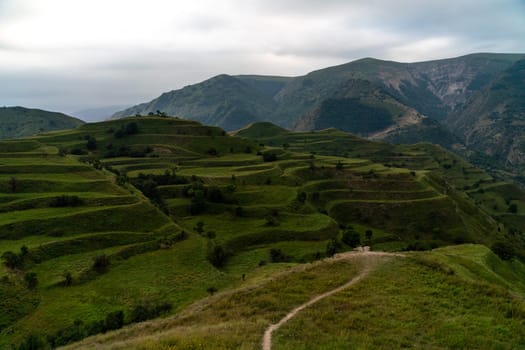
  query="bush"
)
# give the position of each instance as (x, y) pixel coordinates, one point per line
(65, 201)
(114, 320)
(217, 255)
(332, 247)
(276, 255)
(12, 260)
(31, 280)
(101, 263)
(146, 311)
(351, 238)
(269, 157)
(504, 250)
(33, 342)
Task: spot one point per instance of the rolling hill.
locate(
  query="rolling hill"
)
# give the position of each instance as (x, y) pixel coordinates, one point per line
(19, 121)
(118, 222)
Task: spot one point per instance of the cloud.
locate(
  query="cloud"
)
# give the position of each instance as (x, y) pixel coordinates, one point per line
(77, 54)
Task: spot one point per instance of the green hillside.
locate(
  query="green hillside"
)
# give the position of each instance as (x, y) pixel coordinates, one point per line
(19, 122)
(119, 222)
(455, 297)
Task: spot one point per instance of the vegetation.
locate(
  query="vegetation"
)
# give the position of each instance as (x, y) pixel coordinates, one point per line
(121, 239)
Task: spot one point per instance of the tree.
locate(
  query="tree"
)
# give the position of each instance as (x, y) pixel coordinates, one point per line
(31, 280)
(132, 128)
(369, 234)
(91, 143)
(504, 250)
(199, 227)
(13, 184)
(217, 255)
(101, 263)
(351, 237)
(332, 247)
(114, 320)
(211, 290)
(68, 278)
(12, 260)
(513, 208)
(269, 157)
(339, 166)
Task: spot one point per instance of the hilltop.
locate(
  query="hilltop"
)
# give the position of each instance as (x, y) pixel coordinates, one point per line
(19, 121)
(118, 222)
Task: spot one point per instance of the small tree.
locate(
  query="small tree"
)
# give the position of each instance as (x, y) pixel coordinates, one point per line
(12, 260)
(369, 234)
(101, 263)
(217, 255)
(351, 237)
(504, 250)
(332, 247)
(13, 184)
(513, 208)
(91, 143)
(31, 280)
(199, 227)
(211, 290)
(339, 166)
(68, 278)
(114, 320)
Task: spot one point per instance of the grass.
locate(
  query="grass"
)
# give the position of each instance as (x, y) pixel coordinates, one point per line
(417, 301)
(297, 203)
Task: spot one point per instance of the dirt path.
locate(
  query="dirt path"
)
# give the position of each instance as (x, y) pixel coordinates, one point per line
(267, 338)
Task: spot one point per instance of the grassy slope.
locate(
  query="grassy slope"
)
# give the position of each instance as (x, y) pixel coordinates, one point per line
(372, 175)
(424, 300)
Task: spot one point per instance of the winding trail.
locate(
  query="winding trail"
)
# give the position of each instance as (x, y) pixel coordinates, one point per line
(267, 338)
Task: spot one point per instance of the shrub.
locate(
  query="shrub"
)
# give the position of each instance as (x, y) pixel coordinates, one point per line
(12, 260)
(351, 238)
(31, 280)
(146, 311)
(269, 157)
(504, 250)
(101, 263)
(277, 255)
(33, 342)
(217, 255)
(65, 201)
(114, 320)
(332, 247)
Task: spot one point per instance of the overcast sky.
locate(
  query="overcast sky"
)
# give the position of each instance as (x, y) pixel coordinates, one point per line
(68, 55)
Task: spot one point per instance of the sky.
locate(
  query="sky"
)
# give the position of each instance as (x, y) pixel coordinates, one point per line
(70, 55)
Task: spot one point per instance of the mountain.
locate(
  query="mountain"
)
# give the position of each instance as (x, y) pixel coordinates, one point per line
(98, 114)
(493, 120)
(19, 121)
(392, 101)
(225, 101)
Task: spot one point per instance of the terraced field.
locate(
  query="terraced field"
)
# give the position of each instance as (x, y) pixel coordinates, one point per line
(155, 213)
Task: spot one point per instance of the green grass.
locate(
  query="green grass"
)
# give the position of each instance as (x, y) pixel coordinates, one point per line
(404, 194)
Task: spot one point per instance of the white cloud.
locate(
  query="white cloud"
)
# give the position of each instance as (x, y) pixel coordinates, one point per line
(99, 52)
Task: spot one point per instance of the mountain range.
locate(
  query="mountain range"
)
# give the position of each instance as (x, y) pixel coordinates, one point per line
(449, 102)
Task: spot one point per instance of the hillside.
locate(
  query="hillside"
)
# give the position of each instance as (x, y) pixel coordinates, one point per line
(18, 122)
(118, 222)
(372, 98)
(443, 299)
(492, 122)
(225, 101)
